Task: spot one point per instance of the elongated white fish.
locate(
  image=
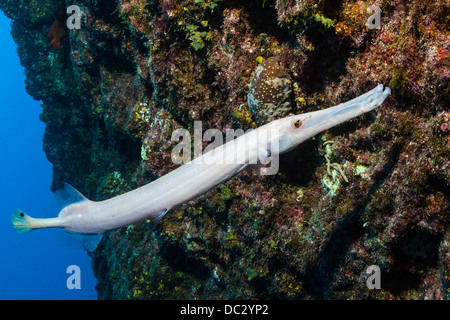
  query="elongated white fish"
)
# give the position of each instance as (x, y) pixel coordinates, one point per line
(83, 216)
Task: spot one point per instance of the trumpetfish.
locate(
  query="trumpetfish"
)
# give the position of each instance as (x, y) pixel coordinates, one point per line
(189, 181)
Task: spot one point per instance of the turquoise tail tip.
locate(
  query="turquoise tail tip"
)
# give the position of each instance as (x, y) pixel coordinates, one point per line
(21, 221)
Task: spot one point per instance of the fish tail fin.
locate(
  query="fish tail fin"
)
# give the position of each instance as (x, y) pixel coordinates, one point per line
(21, 221)
(55, 43)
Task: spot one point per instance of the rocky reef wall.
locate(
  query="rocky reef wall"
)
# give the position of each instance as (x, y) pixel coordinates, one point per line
(372, 191)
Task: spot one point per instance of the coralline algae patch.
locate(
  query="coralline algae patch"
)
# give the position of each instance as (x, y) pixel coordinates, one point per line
(331, 184)
(142, 112)
(360, 170)
(270, 92)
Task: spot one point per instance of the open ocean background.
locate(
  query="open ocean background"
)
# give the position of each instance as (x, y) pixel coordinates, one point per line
(34, 264)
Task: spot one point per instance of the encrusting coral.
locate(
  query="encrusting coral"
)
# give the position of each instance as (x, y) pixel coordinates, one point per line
(270, 92)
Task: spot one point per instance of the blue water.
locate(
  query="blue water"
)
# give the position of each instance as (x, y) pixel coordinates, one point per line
(33, 265)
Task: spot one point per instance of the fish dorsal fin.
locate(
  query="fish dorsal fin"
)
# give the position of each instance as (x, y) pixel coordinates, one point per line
(68, 195)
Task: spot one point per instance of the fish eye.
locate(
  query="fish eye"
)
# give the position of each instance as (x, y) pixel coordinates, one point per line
(297, 124)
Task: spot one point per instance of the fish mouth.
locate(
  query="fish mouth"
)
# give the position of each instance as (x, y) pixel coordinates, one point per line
(321, 120)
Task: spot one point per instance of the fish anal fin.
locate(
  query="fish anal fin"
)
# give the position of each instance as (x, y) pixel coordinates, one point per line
(88, 242)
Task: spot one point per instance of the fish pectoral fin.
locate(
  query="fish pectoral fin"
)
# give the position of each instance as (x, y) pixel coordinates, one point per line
(68, 195)
(156, 217)
(245, 166)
